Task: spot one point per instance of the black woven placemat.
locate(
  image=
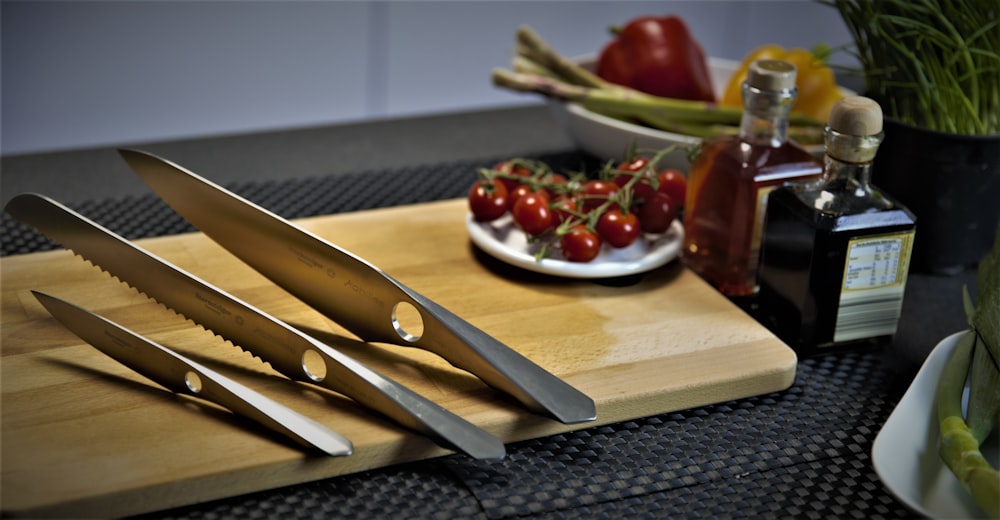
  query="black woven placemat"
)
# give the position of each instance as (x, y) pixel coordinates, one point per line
(801, 453)
(147, 216)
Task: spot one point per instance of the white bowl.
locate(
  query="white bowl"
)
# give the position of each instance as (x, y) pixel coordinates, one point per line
(905, 452)
(609, 138)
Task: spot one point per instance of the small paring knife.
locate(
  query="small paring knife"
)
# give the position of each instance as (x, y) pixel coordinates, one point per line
(184, 376)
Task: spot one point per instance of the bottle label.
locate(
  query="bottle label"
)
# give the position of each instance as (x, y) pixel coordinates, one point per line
(871, 296)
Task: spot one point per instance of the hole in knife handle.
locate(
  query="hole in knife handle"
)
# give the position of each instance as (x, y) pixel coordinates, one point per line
(193, 382)
(407, 321)
(313, 365)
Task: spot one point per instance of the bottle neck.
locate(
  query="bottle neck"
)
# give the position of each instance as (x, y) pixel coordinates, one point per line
(849, 158)
(845, 187)
(765, 115)
(845, 176)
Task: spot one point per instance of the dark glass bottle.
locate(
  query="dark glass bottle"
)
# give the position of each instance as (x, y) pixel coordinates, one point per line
(836, 251)
(729, 181)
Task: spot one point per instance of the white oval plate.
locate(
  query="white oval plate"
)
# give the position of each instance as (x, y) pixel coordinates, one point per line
(504, 241)
(905, 452)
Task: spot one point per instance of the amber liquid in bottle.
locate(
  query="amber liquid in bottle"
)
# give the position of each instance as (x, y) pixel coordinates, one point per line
(729, 182)
(835, 252)
(724, 219)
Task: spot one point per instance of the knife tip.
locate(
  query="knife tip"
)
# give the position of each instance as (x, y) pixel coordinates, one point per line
(584, 412)
(491, 451)
(336, 447)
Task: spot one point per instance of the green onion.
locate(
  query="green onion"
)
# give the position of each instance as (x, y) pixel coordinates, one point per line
(930, 63)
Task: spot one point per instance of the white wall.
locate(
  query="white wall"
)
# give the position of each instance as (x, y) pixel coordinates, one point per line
(86, 73)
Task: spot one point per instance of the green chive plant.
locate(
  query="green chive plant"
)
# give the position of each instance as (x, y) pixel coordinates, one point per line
(930, 63)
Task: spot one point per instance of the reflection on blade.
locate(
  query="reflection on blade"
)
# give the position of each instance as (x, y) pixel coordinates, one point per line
(287, 349)
(352, 292)
(185, 376)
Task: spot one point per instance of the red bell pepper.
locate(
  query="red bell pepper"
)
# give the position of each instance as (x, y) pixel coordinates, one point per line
(657, 56)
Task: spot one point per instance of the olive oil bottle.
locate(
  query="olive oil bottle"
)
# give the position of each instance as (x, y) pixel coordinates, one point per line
(835, 252)
(729, 181)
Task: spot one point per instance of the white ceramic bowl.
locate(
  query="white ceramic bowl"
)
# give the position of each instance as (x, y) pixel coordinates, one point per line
(610, 138)
(905, 452)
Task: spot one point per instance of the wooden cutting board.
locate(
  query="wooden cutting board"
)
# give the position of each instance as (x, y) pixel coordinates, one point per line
(84, 435)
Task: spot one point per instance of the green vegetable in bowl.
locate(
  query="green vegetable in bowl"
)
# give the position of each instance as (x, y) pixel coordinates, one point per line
(538, 68)
(974, 361)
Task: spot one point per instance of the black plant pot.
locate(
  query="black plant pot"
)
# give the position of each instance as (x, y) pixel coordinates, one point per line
(952, 184)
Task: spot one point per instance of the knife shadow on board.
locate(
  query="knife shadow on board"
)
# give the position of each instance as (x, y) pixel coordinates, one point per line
(191, 405)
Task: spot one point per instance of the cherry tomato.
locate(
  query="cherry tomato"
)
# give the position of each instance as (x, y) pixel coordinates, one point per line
(637, 164)
(641, 189)
(673, 183)
(516, 192)
(617, 228)
(580, 244)
(487, 200)
(510, 168)
(657, 213)
(555, 178)
(524, 189)
(596, 192)
(531, 213)
(563, 208)
(636, 167)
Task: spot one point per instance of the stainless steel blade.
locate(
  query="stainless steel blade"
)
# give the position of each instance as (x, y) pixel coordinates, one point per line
(184, 376)
(351, 291)
(288, 350)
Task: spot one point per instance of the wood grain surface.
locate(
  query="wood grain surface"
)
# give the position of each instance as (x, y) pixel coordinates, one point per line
(83, 435)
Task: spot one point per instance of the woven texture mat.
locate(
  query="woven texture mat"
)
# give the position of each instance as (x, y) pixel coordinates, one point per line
(802, 453)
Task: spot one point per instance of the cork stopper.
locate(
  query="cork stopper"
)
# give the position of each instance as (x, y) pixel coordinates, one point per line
(771, 75)
(856, 115)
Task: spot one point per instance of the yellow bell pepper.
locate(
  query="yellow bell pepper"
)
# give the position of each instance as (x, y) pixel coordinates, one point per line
(817, 86)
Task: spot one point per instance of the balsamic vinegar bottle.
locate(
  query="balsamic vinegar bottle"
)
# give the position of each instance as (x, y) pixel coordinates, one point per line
(729, 181)
(836, 252)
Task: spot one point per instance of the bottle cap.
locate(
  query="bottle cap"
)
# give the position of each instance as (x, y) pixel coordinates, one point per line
(856, 115)
(771, 75)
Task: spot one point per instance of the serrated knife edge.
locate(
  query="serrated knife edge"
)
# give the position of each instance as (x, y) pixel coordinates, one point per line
(227, 316)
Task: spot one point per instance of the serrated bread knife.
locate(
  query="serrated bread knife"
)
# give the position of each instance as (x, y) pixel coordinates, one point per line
(351, 291)
(184, 376)
(288, 350)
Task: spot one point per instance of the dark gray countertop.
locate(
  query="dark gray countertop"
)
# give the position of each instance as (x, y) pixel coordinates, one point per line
(77, 175)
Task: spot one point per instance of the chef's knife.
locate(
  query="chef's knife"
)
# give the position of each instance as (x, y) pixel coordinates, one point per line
(289, 351)
(184, 376)
(351, 291)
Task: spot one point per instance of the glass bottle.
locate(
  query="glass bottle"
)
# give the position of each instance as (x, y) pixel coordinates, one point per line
(836, 251)
(729, 181)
